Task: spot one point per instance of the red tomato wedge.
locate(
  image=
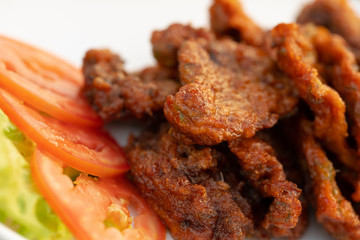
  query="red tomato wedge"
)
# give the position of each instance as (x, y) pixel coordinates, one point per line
(88, 150)
(45, 82)
(86, 206)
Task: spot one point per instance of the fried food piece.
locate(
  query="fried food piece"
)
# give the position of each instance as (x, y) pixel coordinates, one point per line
(296, 56)
(166, 43)
(342, 74)
(264, 172)
(338, 17)
(231, 222)
(277, 137)
(253, 205)
(230, 173)
(183, 186)
(302, 223)
(333, 211)
(285, 153)
(115, 94)
(231, 91)
(227, 18)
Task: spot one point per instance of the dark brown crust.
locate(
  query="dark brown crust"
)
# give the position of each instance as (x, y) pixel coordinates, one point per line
(278, 138)
(333, 211)
(231, 222)
(183, 186)
(115, 94)
(262, 169)
(296, 56)
(227, 18)
(338, 17)
(237, 80)
(166, 43)
(231, 90)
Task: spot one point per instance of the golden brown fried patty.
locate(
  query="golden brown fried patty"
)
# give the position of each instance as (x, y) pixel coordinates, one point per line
(231, 91)
(184, 187)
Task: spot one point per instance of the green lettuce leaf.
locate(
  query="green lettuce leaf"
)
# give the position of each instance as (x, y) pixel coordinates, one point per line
(22, 208)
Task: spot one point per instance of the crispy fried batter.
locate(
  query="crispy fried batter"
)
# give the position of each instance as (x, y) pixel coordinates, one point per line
(184, 187)
(166, 43)
(231, 90)
(231, 222)
(296, 56)
(333, 211)
(232, 87)
(227, 18)
(253, 205)
(338, 17)
(262, 169)
(342, 74)
(277, 137)
(116, 94)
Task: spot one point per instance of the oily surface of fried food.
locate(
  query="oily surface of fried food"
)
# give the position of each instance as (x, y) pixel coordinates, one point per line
(338, 17)
(231, 90)
(342, 73)
(296, 56)
(262, 169)
(166, 43)
(115, 94)
(333, 211)
(183, 186)
(227, 18)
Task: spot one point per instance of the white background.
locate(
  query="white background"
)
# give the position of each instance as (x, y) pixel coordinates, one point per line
(68, 28)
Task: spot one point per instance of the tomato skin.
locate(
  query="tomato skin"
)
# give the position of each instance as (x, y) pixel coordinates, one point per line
(48, 64)
(84, 207)
(88, 150)
(122, 187)
(45, 82)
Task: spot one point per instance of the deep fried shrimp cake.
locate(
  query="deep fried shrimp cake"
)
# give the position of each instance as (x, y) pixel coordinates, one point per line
(296, 56)
(183, 186)
(231, 90)
(166, 43)
(116, 94)
(260, 166)
(333, 211)
(227, 18)
(338, 17)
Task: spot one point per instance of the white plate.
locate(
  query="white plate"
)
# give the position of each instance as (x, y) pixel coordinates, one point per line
(68, 28)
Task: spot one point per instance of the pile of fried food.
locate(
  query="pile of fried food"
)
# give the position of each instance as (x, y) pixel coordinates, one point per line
(246, 128)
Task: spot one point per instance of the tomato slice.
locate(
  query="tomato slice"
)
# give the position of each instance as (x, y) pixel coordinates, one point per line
(45, 82)
(88, 150)
(88, 205)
